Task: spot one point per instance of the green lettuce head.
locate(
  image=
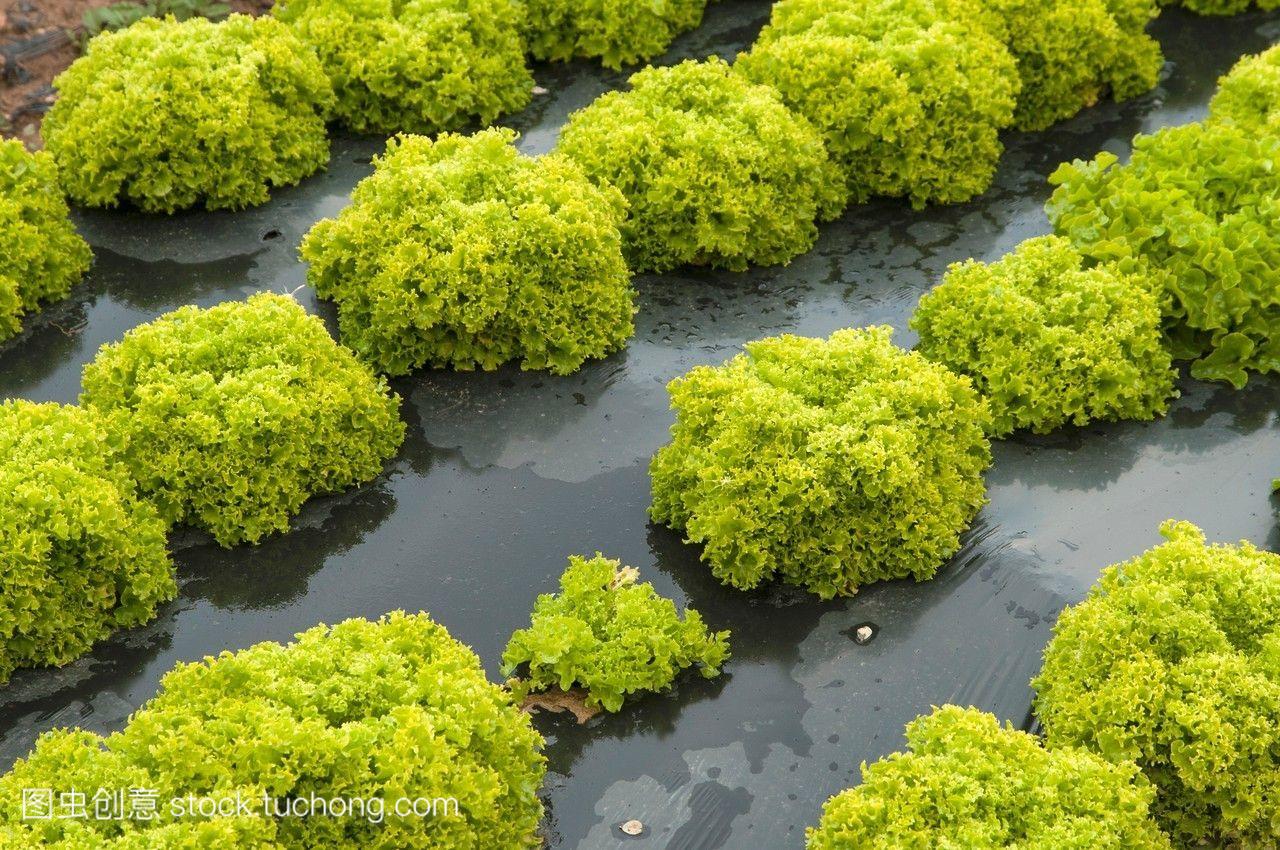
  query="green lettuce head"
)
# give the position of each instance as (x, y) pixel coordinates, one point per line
(369, 712)
(619, 32)
(715, 169)
(167, 115)
(416, 66)
(910, 95)
(232, 417)
(1194, 210)
(828, 464)
(461, 252)
(611, 634)
(966, 782)
(81, 554)
(1173, 663)
(1048, 341)
(41, 255)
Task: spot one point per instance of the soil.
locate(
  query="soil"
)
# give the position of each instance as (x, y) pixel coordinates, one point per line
(38, 40)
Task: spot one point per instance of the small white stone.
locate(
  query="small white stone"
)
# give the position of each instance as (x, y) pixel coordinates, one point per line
(632, 827)
(539, 90)
(864, 634)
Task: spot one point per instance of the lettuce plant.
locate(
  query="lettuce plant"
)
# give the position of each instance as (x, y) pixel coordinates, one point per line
(1194, 210)
(80, 554)
(910, 95)
(620, 32)
(41, 255)
(75, 761)
(968, 783)
(1071, 53)
(387, 710)
(119, 15)
(67, 761)
(826, 463)
(612, 635)
(1221, 7)
(167, 114)
(418, 66)
(1249, 96)
(462, 252)
(716, 170)
(1173, 661)
(1047, 341)
(232, 417)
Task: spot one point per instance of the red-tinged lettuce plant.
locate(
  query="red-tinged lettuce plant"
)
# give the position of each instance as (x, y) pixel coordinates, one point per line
(965, 782)
(1173, 662)
(167, 115)
(829, 464)
(1249, 96)
(715, 169)
(1072, 53)
(910, 95)
(363, 710)
(610, 634)
(1194, 210)
(41, 255)
(462, 252)
(232, 417)
(619, 32)
(1047, 341)
(417, 66)
(81, 555)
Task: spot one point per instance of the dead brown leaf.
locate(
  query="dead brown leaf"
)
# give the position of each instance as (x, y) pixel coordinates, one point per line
(555, 700)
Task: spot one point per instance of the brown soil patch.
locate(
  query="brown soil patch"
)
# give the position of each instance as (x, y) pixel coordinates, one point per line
(38, 39)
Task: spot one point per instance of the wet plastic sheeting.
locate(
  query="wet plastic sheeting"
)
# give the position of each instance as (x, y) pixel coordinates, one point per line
(505, 474)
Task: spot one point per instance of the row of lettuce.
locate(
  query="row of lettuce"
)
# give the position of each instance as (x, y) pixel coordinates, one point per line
(896, 97)
(833, 463)
(907, 96)
(711, 163)
(1158, 696)
(228, 419)
(364, 711)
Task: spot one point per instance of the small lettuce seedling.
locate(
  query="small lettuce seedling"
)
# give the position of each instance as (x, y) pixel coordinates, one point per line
(716, 170)
(80, 554)
(610, 634)
(829, 463)
(1173, 662)
(168, 114)
(231, 417)
(366, 712)
(41, 255)
(417, 66)
(461, 252)
(965, 782)
(1047, 341)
